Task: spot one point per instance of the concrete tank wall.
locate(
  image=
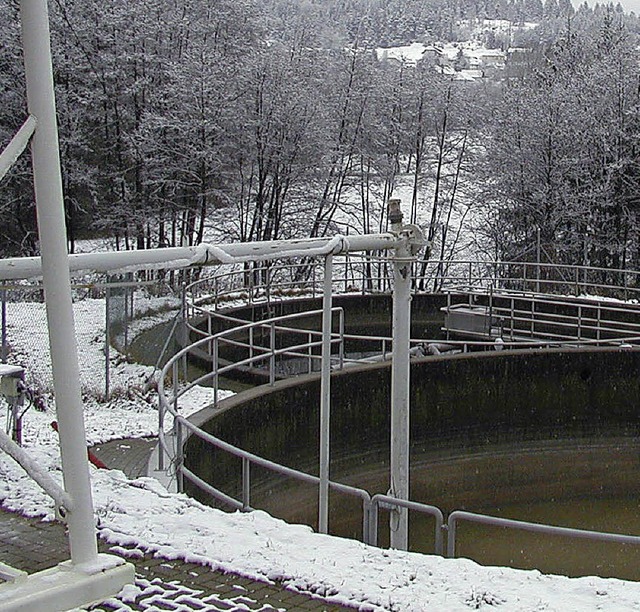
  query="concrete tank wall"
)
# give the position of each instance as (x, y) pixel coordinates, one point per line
(460, 406)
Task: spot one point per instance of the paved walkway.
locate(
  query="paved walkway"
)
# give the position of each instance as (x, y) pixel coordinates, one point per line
(161, 584)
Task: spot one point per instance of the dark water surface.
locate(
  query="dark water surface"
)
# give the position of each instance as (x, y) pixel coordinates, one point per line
(584, 485)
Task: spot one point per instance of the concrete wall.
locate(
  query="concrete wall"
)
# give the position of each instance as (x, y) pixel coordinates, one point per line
(460, 406)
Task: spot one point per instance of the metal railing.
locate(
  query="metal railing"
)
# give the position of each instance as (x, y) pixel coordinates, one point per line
(369, 274)
(459, 516)
(583, 323)
(517, 315)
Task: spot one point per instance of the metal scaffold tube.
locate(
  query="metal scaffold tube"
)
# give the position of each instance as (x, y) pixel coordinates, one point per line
(55, 272)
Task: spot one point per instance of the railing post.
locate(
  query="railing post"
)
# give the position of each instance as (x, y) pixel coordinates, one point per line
(4, 349)
(538, 251)
(107, 344)
(325, 398)
(246, 483)
(309, 353)
(373, 523)
(267, 288)
(161, 414)
(451, 536)
(341, 345)
(272, 357)
(580, 322)
(216, 380)
(185, 330)
(179, 455)
(313, 278)
(513, 304)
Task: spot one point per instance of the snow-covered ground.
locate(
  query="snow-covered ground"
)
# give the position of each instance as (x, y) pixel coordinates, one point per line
(143, 514)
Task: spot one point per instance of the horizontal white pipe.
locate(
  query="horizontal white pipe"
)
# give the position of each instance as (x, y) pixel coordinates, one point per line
(17, 145)
(204, 254)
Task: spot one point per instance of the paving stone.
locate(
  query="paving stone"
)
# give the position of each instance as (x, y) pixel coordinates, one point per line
(161, 585)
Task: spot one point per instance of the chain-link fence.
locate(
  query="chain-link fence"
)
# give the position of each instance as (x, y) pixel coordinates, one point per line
(108, 316)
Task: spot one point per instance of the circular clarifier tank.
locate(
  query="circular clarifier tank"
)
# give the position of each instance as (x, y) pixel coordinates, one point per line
(545, 436)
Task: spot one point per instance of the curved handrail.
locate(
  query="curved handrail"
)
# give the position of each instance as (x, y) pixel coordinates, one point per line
(259, 354)
(458, 273)
(484, 519)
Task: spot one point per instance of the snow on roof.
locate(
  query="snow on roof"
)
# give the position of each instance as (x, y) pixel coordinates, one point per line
(469, 75)
(142, 512)
(410, 54)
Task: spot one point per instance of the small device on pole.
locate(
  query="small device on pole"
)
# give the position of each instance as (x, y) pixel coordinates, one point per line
(13, 390)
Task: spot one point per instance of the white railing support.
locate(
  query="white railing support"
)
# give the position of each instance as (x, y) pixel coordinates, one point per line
(325, 397)
(17, 145)
(55, 272)
(410, 238)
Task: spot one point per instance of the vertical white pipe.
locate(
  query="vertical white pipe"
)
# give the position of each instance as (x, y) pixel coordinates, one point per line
(399, 521)
(55, 272)
(325, 397)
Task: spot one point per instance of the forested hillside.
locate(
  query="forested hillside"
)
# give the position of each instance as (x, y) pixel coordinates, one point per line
(257, 120)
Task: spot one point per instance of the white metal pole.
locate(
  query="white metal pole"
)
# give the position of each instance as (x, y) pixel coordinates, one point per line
(55, 272)
(325, 397)
(399, 520)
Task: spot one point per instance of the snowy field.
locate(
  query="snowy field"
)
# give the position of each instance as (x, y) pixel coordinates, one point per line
(141, 513)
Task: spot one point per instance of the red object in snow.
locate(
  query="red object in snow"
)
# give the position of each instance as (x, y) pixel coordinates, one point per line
(90, 455)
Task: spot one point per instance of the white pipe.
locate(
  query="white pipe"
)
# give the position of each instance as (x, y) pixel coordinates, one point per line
(55, 272)
(181, 257)
(63, 502)
(325, 397)
(17, 145)
(399, 518)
